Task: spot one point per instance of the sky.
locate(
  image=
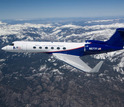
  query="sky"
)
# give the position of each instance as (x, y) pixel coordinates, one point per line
(32, 9)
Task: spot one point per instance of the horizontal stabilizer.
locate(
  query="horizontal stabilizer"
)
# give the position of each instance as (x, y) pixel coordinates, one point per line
(97, 67)
(76, 62)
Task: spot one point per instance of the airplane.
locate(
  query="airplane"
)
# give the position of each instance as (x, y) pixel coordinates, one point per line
(70, 53)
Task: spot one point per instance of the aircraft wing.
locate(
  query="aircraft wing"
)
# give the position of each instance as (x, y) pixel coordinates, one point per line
(76, 62)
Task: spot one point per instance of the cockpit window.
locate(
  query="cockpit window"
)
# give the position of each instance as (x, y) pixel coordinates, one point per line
(12, 44)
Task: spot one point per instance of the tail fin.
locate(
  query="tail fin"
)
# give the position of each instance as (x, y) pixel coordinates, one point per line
(117, 39)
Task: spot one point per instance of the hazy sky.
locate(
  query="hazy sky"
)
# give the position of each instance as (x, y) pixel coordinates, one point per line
(24, 9)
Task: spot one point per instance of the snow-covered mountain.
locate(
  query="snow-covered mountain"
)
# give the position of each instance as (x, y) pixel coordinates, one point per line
(69, 32)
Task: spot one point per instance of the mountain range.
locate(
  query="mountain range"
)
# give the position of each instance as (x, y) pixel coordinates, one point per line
(40, 80)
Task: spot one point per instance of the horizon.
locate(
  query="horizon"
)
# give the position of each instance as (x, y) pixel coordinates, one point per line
(65, 18)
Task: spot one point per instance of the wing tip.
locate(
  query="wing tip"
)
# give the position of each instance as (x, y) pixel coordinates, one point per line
(97, 67)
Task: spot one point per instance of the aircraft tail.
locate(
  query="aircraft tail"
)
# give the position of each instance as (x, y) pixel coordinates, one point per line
(117, 39)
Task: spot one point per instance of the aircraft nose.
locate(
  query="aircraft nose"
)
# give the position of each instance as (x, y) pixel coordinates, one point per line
(4, 48)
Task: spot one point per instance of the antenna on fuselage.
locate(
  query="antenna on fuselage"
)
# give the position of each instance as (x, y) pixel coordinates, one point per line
(92, 37)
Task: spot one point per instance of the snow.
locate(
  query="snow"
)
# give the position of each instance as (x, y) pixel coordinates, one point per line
(71, 26)
(1, 23)
(43, 67)
(97, 21)
(68, 26)
(96, 27)
(55, 32)
(2, 60)
(18, 28)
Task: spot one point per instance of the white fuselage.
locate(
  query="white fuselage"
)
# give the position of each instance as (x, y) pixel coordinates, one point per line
(25, 46)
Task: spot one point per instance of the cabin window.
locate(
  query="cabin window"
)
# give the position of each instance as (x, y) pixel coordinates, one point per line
(64, 48)
(12, 44)
(34, 47)
(40, 47)
(52, 47)
(58, 48)
(46, 47)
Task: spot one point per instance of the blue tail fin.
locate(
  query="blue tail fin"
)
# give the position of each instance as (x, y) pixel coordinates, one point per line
(117, 39)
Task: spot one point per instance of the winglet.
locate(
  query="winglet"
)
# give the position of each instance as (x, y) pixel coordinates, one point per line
(97, 67)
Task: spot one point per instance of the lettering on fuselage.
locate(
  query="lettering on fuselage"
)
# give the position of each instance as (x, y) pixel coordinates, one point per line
(94, 48)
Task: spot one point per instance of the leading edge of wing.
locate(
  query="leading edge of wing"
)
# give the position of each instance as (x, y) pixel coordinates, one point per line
(76, 62)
